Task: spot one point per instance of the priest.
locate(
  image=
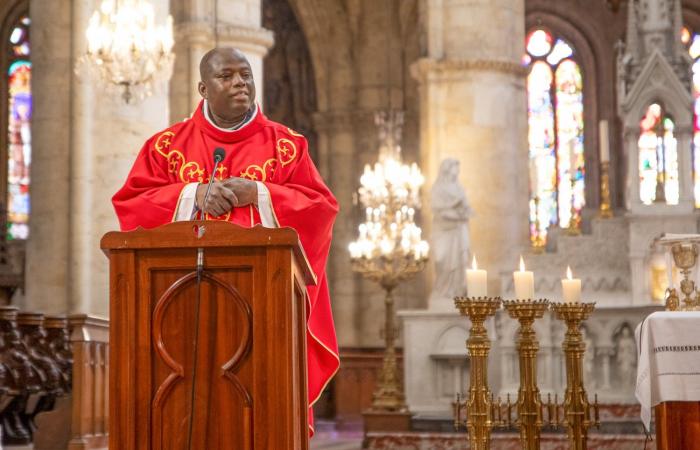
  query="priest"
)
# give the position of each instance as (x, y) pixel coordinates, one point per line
(265, 178)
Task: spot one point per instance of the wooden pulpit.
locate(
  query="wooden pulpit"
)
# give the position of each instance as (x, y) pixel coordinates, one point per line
(209, 359)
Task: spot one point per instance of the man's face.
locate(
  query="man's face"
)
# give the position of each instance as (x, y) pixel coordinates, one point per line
(228, 85)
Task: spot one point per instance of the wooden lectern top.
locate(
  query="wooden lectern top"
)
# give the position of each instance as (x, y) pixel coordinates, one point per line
(216, 234)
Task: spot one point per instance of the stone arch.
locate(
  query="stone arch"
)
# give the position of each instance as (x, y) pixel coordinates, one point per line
(452, 341)
(325, 25)
(288, 72)
(619, 328)
(587, 55)
(691, 16)
(669, 101)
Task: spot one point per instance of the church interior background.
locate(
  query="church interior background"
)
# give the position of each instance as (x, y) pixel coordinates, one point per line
(555, 109)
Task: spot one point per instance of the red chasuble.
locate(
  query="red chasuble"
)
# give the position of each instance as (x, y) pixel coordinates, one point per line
(262, 150)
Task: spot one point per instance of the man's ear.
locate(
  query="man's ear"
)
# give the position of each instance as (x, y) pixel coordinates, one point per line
(202, 88)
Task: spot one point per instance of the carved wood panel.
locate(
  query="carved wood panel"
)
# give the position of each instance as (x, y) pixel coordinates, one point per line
(222, 403)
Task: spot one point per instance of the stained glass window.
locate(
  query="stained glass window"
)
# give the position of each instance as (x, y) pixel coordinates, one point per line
(19, 130)
(658, 158)
(555, 134)
(692, 42)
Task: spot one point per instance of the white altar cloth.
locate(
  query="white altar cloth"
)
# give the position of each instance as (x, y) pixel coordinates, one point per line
(668, 363)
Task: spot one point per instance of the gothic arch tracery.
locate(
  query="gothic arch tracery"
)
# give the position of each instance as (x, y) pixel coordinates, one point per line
(586, 58)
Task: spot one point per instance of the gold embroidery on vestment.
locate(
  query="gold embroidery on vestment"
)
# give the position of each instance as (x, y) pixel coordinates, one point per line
(286, 151)
(256, 173)
(186, 172)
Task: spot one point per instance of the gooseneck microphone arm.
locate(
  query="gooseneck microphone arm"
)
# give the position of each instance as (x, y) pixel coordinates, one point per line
(219, 154)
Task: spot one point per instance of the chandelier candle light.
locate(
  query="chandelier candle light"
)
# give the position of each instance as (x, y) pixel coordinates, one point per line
(126, 50)
(389, 248)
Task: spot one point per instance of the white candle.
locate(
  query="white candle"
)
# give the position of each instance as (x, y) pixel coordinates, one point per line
(571, 287)
(476, 281)
(604, 141)
(524, 281)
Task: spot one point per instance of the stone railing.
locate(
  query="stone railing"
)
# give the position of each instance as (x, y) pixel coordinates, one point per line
(90, 408)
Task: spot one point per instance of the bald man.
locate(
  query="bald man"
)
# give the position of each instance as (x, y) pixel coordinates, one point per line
(266, 178)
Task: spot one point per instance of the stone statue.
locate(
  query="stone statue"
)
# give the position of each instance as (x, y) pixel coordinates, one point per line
(450, 236)
(626, 357)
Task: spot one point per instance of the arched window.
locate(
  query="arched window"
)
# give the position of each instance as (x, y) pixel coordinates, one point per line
(658, 157)
(19, 117)
(692, 43)
(555, 136)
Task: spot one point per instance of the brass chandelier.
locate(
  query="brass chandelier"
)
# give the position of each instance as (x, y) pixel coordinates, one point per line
(389, 248)
(126, 50)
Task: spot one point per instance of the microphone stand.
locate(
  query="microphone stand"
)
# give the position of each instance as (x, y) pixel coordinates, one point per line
(198, 300)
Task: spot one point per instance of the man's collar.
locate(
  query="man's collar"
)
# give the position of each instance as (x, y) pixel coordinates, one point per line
(250, 115)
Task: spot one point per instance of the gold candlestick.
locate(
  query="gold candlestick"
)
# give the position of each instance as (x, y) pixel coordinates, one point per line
(538, 242)
(479, 405)
(605, 208)
(529, 404)
(574, 228)
(577, 409)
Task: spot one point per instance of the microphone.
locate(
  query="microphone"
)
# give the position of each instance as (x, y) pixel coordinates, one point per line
(219, 155)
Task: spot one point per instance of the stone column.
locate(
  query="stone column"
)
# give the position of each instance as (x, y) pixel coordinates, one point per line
(52, 73)
(473, 108)
(198, 29)
(378, 82)
(192, 40)
(84, 145)
(336, 138)
(239, 25)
